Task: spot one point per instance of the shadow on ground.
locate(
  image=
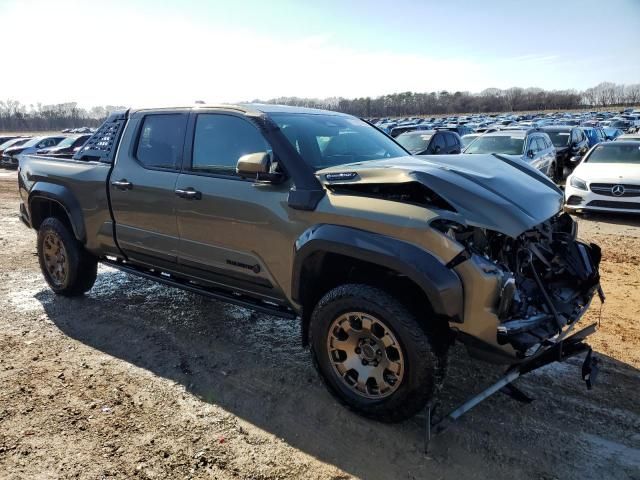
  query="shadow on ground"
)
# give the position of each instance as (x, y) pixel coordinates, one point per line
(254, 367)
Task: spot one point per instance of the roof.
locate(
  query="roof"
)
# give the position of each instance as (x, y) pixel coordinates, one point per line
(558, 128)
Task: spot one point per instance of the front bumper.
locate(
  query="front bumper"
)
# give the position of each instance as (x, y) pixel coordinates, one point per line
(576, 199)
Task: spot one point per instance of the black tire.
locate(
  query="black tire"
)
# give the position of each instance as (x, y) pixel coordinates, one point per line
(81, 267)
(423, 349)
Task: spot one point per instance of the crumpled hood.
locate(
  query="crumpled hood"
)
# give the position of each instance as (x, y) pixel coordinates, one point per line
(487, 191)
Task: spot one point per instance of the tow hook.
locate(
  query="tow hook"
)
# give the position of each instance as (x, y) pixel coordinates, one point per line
(590, 369)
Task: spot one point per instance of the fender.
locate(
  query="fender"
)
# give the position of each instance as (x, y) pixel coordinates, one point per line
(441, 285)
(66, 199)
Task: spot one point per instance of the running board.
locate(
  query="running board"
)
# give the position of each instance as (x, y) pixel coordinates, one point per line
(218, 294)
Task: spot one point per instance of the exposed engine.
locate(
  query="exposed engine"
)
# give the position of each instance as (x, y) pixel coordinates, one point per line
(549, 278)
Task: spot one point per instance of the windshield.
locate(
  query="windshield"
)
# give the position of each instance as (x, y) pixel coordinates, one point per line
(559, 139)
(467, 139)
(14, 142)
(34, 141)
(328, 140)
(415, 143)
(67, 142)
(496, 144)
(616, 153)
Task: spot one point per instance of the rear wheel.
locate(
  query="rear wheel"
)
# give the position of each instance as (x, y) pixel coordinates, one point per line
(67, 267)
(373, 354)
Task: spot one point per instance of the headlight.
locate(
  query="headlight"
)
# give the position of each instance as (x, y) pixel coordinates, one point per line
(578, 183)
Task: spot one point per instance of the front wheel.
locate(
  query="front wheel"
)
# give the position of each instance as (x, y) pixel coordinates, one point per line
(67, 267)
(373, 354)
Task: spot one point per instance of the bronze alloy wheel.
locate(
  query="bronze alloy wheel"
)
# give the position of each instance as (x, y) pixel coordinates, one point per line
(365, 354)
(55, 258)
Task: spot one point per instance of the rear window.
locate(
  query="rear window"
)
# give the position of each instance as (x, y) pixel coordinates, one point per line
(497, 144)
(415, 143)
(559, 139)
(161, 141)
(616, 152)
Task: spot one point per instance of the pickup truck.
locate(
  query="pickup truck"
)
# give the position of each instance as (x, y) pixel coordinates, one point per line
(385, 258)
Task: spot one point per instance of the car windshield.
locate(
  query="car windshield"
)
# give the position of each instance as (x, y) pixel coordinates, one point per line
(67, 142)
(326, 140)
(33, 142)
(559, 139)
(467, 139)
(14, 142)
(616, 152)
(415, 143)
(497, 144)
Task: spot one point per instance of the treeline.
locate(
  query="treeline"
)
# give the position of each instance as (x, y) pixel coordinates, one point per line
(15, 116)
(604, 95)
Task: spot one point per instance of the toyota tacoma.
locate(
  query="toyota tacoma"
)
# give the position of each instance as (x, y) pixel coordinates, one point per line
(385, 258)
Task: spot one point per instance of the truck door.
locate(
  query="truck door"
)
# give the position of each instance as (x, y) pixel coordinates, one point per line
(142, 187)
(227, 223)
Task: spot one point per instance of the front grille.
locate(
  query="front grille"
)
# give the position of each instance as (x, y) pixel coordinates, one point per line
(607, 189)
(615, 205)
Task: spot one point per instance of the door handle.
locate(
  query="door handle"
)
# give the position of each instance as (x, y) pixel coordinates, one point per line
(123, 184)
(189, 194)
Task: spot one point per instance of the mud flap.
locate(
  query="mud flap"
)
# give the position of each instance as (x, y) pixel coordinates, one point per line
(590, 369)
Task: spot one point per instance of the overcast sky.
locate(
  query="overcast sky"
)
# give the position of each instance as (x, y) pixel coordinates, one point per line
(164, 52)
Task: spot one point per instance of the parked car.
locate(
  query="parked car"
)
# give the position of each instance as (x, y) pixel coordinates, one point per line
(612, 133)
(14, 142)
(594, 135)
(608, 179)
(10, 157)
(384, 258)
(530, 146)
(400, 129)
(66, 148)
(430, 142)
(459, 129)
(571, 144)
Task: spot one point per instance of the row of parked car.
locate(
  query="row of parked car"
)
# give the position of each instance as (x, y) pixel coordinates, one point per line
(562, 146)
(63, 146)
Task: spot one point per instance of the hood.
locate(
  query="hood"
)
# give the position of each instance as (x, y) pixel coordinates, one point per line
(487, 191)
(608, 172)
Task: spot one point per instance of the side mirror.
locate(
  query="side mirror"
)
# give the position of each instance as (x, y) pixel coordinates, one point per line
(530, 154)
(258, 166)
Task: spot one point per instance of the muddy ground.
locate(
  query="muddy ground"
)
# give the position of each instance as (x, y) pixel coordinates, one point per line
(137, 380)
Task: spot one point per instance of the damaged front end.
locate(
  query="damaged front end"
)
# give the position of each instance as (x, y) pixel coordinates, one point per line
(546, 279)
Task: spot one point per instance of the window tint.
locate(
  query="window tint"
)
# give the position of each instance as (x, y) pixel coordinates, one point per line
(438, 141)
(161, 138)
(220, 140)
(450, 140)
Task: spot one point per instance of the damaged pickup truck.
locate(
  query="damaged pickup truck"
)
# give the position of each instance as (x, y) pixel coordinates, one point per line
(385, 258)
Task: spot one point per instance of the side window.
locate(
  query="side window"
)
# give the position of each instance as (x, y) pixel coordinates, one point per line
(220, 140)
(161, 140)
(533, 146)
(541, 145)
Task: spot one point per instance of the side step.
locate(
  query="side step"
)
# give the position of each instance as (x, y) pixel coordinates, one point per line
(211, 292)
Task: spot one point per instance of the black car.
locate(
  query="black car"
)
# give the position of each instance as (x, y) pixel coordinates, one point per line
(430, 142)
(66, 148)
(571, 144)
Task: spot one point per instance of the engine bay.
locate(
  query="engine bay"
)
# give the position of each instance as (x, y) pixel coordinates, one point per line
(548, 278)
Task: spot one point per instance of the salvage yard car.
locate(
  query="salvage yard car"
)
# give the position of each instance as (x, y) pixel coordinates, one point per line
(530, 146)
(608, 179)
(385, 258)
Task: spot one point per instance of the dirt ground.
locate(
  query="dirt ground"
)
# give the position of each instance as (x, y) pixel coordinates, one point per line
(137, 380)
